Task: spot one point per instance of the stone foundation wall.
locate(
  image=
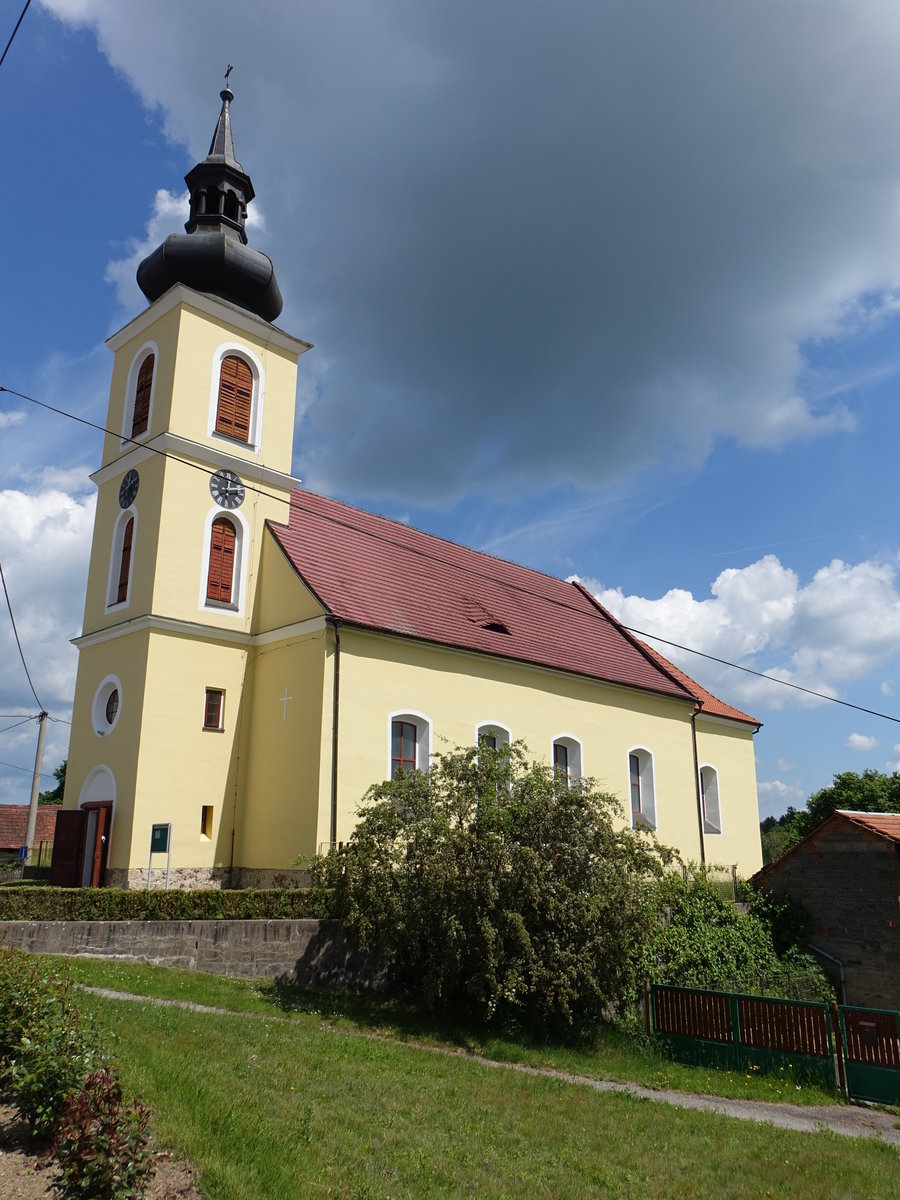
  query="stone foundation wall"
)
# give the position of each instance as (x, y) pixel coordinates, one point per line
(205, 878)
(307, 953)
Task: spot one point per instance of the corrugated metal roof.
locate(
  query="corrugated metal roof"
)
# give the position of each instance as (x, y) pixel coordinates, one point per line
(383, 575)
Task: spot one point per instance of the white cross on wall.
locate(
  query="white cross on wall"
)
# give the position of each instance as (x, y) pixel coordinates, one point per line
(284, 701)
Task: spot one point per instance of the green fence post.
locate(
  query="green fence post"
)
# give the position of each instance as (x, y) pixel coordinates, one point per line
(735, 1029)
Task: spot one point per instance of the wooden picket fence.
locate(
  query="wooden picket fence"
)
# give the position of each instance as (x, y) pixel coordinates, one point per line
(855, 1049)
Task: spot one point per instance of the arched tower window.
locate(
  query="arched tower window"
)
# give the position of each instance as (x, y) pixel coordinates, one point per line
(125, 562)
(220, 577)
(235, 400)
(142, 391)
(121, 558)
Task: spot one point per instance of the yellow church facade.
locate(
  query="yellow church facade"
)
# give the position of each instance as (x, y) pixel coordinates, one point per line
(254, 656)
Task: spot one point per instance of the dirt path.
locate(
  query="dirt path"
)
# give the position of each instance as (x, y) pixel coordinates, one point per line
(851, 1120)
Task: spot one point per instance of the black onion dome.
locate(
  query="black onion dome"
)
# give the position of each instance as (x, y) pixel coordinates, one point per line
(213, 255)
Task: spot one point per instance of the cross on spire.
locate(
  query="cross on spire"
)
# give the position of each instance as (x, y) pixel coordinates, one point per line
(227, 75)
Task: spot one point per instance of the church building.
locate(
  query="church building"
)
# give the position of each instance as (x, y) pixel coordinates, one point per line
(255, 656)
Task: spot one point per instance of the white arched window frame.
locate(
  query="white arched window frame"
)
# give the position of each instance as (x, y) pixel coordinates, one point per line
(493, 729)
(422, 738)
(566, 755)
(709, 795)
(131, 390)
(641, 787)
(97, 792)
(113, 603)
(107, 705)
(256, 404)
(241, 539)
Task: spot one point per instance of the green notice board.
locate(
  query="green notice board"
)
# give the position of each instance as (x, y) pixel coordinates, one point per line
(159, 839)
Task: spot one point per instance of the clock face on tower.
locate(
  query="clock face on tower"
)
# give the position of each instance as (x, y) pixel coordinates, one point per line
(128, 488)
(226, 489)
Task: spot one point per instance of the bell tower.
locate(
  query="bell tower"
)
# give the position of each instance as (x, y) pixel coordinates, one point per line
(198, 457)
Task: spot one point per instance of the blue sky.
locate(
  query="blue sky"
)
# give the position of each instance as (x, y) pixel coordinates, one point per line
(624, 276)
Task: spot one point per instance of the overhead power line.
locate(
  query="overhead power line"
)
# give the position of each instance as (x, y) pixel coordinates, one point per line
(872, 712)
(18, 643)
(27, 770)
(15, 31)
(27, 721)
(436, 557)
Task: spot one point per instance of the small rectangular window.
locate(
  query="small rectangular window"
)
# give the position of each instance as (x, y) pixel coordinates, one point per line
(206, 821)
(214, 708)
(561, 759)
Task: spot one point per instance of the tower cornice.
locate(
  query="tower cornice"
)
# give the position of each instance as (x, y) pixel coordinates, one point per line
(211, 306)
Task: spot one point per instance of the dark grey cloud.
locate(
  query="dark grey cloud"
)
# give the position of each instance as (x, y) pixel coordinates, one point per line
(561, 241)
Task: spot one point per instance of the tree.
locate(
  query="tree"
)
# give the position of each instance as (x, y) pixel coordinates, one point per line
(55, 795)
(872, 791)
(494, 890)
(709, 942)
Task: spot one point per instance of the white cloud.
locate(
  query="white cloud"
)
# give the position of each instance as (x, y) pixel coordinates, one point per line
(455, 179)
(774, 792)
(861, 741)
(44, 547)
(887, 688)
(785, 765)
(838, 627)
(168, 216)
(8, 419)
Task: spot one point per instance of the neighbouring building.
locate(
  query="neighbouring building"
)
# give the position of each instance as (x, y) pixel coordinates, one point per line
(13, 826)
(254, 656)
(846, 873)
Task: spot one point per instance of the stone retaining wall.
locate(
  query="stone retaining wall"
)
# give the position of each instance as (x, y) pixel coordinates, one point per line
(303, 952)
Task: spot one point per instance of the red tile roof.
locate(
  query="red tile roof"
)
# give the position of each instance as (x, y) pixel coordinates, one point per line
(14, 823)
(709, 703)
(887, 824)
(383, 575)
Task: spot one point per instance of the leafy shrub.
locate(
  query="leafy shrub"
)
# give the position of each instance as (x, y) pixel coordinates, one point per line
(114, 904)
(46, 1047)
(101, 1145)
(705, 941)
(492, 890)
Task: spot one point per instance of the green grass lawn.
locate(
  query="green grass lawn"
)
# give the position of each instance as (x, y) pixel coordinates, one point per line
(274, 1109)
(614, 1055)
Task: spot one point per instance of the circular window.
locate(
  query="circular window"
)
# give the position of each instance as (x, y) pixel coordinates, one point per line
(105, 709)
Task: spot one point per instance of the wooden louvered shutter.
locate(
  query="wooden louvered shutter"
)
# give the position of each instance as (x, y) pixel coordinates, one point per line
(221, 561)
(235, 399)
(142, 396)
(125, 563)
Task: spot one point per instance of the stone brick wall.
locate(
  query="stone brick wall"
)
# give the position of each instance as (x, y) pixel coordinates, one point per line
(209, 878)
(848, 879)
(307, 953)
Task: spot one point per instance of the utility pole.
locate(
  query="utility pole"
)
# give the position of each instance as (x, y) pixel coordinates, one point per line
(36, 783)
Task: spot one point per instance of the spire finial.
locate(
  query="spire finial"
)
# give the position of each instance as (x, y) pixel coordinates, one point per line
(226, 93)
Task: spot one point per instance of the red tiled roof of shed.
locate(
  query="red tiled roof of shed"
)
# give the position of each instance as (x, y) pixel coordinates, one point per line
(382, 575)
(887, 824)
(14, 823)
